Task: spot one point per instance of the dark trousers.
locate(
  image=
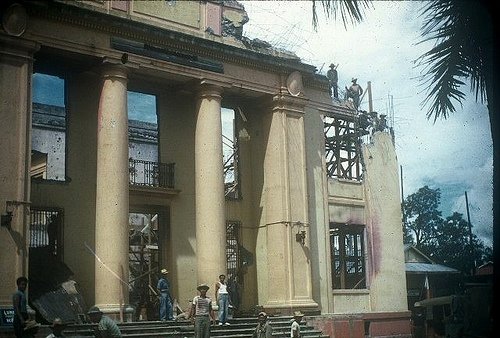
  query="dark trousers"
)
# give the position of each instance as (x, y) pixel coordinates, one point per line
(18, 327)
(202, 327)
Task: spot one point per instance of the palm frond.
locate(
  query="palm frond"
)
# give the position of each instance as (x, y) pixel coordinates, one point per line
(350, 11)
(460, 31)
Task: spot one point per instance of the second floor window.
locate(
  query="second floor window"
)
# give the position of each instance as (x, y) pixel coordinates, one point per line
(48, 139)
(342, 149)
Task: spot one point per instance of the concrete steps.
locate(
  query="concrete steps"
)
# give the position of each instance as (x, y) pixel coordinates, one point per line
(239, 328)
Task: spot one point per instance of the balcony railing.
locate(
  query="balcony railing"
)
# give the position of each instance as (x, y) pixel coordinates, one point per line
(151, 174)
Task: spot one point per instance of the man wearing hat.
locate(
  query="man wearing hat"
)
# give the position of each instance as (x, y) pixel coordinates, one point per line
(382, 123)
(333, 79)
(295, 329)
(57, 328)
(163, 286)
(355, 91)
(106, 327)
(201, 311)
(263, 329)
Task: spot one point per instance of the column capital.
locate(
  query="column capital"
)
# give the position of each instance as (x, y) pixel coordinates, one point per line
(114, 70)
(210, 91)
(17, 50)
(211, 88)
(288, 104)
(112, 66)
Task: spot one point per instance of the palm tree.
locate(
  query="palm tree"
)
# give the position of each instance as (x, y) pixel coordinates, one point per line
(465, 48)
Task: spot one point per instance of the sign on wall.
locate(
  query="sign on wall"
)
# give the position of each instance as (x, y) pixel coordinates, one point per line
(6, 316)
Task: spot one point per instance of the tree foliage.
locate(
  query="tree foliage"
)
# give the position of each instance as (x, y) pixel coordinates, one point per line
(350, 11)
(422, 217)
(453, 244)
(446, 241)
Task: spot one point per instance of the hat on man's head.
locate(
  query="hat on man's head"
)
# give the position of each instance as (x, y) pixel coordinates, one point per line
(298, 314)
(94, 310)
(57, 322)
(262, 314)
(31, 324)
(332, 65)
(202, 287)
(354, 79)
(164, 271)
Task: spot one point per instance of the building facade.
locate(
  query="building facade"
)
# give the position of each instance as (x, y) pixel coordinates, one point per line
(310, 219)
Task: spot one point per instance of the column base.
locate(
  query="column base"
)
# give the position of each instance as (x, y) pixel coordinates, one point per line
(113, 311)
(287, 308)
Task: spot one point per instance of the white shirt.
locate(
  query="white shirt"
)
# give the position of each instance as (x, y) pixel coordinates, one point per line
(222, 288)
(295, 327)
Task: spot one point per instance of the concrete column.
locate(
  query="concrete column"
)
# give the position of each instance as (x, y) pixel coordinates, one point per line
(112, 192)
(289, 285)
(16, 67)
(209, 186)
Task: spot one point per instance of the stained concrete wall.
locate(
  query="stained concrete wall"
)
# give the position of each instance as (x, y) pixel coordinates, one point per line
(384, 226)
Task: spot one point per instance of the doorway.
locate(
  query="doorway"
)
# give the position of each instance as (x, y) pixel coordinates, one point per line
(144, 263)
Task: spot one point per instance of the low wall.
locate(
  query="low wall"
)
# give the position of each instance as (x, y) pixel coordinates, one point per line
(368, 325)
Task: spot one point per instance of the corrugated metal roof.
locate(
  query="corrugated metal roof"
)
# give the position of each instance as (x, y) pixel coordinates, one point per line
(416, 268)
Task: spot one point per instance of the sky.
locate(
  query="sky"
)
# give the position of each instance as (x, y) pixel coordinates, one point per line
(454, 155)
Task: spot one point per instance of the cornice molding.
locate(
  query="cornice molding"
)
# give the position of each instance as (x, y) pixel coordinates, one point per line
(176, 41)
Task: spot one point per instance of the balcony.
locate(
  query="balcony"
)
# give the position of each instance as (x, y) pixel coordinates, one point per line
(151, 174)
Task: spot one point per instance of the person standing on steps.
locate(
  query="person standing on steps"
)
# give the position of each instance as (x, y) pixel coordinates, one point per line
(222, 299)
(263, 329)
(163, 286)
(295, 328)
(201, 312)
(106, 327)
(20, 305)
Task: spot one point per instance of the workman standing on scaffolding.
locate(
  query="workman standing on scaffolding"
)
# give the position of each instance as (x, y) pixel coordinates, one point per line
(163, 287)
(333, 79)
(355, 91)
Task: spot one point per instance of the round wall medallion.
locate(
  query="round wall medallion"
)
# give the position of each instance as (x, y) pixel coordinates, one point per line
(14, 20)
(294, 84)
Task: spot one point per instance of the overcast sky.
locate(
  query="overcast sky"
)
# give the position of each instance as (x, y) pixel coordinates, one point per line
(454, 155)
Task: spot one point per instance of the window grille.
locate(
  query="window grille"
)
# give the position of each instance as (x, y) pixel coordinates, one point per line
(347, 256)
(233, 259)
(46, 230)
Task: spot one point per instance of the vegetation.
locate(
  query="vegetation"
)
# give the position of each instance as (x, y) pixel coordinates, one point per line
(447, 241)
